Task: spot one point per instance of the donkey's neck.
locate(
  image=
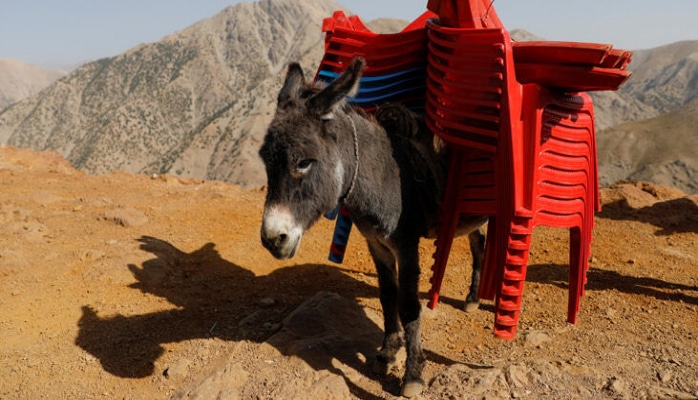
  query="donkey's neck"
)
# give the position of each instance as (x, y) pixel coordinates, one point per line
(375, 199)
(355, 168)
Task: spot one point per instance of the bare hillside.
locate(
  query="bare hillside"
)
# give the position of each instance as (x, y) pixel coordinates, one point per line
(662, 150)
(19, 80)
(665, 77)
(193, 104)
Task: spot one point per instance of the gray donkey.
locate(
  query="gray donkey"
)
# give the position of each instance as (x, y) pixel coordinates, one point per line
(319, 152)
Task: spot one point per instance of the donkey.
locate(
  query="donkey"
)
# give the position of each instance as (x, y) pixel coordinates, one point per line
(319, 152)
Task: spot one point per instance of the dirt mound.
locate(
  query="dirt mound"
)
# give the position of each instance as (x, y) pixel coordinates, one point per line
(133, 286)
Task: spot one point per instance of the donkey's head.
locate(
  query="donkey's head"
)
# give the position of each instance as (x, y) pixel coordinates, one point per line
(303, 152)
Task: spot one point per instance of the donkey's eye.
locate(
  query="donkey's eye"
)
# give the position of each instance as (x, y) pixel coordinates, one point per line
(304, 165)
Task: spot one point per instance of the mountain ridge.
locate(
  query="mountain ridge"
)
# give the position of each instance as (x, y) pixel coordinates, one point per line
(183, 104)
(661, 150)
(196, 103)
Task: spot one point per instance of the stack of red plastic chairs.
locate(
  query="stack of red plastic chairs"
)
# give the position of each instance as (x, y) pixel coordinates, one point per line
(522, 139)
(395, 63)
(517, 123)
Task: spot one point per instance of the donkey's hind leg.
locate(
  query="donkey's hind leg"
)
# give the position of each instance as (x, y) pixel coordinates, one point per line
(388, 286)
(410, 311)
(477, 248)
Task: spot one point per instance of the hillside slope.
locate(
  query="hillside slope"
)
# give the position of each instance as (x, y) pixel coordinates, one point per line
(193, 104)
(662, 150)
(664, 79)
(19, 80)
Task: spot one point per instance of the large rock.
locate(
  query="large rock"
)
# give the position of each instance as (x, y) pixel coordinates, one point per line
(321, 346)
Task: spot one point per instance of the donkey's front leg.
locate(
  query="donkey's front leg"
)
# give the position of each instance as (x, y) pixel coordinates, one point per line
(388, 286)
(410, 311)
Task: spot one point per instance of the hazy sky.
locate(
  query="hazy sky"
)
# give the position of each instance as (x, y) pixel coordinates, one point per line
(58, 33)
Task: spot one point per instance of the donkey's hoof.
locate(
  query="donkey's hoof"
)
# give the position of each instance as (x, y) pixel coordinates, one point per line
(413, 388)
(471, 306)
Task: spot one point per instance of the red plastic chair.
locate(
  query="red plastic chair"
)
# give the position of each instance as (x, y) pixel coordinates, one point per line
(479, 131)
(521, 154)
(347, 37)
(559, 188)
(478, 14)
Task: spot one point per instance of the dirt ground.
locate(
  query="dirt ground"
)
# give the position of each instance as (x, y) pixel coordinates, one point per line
(136, 287)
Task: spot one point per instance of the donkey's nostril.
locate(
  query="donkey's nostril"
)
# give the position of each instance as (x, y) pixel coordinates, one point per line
(283, 238)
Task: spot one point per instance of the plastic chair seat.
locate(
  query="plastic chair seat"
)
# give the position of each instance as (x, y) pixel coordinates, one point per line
(571, 77)
(552, 52)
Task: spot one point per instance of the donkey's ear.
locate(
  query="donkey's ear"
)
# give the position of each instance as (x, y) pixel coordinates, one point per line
(293, 81)
(346, 85)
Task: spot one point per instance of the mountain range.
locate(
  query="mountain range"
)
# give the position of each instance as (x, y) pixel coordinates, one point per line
(664, 79)
(196, 103)
(661, 149)
(651, 120)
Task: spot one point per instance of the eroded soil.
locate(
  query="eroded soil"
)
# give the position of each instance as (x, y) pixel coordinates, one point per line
(137, 287)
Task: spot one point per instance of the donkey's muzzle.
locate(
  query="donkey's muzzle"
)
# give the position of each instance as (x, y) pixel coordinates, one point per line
(280, 234)
(278, 246)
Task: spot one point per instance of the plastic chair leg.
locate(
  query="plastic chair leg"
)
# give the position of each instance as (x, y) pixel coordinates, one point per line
(508, 303)
(576, 276)
(443, 248)
(448, 222)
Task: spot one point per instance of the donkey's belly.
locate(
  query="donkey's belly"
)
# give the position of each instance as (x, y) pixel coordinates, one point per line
(466, 224)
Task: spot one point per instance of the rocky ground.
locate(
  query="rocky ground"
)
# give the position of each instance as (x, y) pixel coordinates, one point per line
(136, 287)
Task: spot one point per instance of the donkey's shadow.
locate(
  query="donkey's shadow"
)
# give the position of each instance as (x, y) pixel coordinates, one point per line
(217, 298)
